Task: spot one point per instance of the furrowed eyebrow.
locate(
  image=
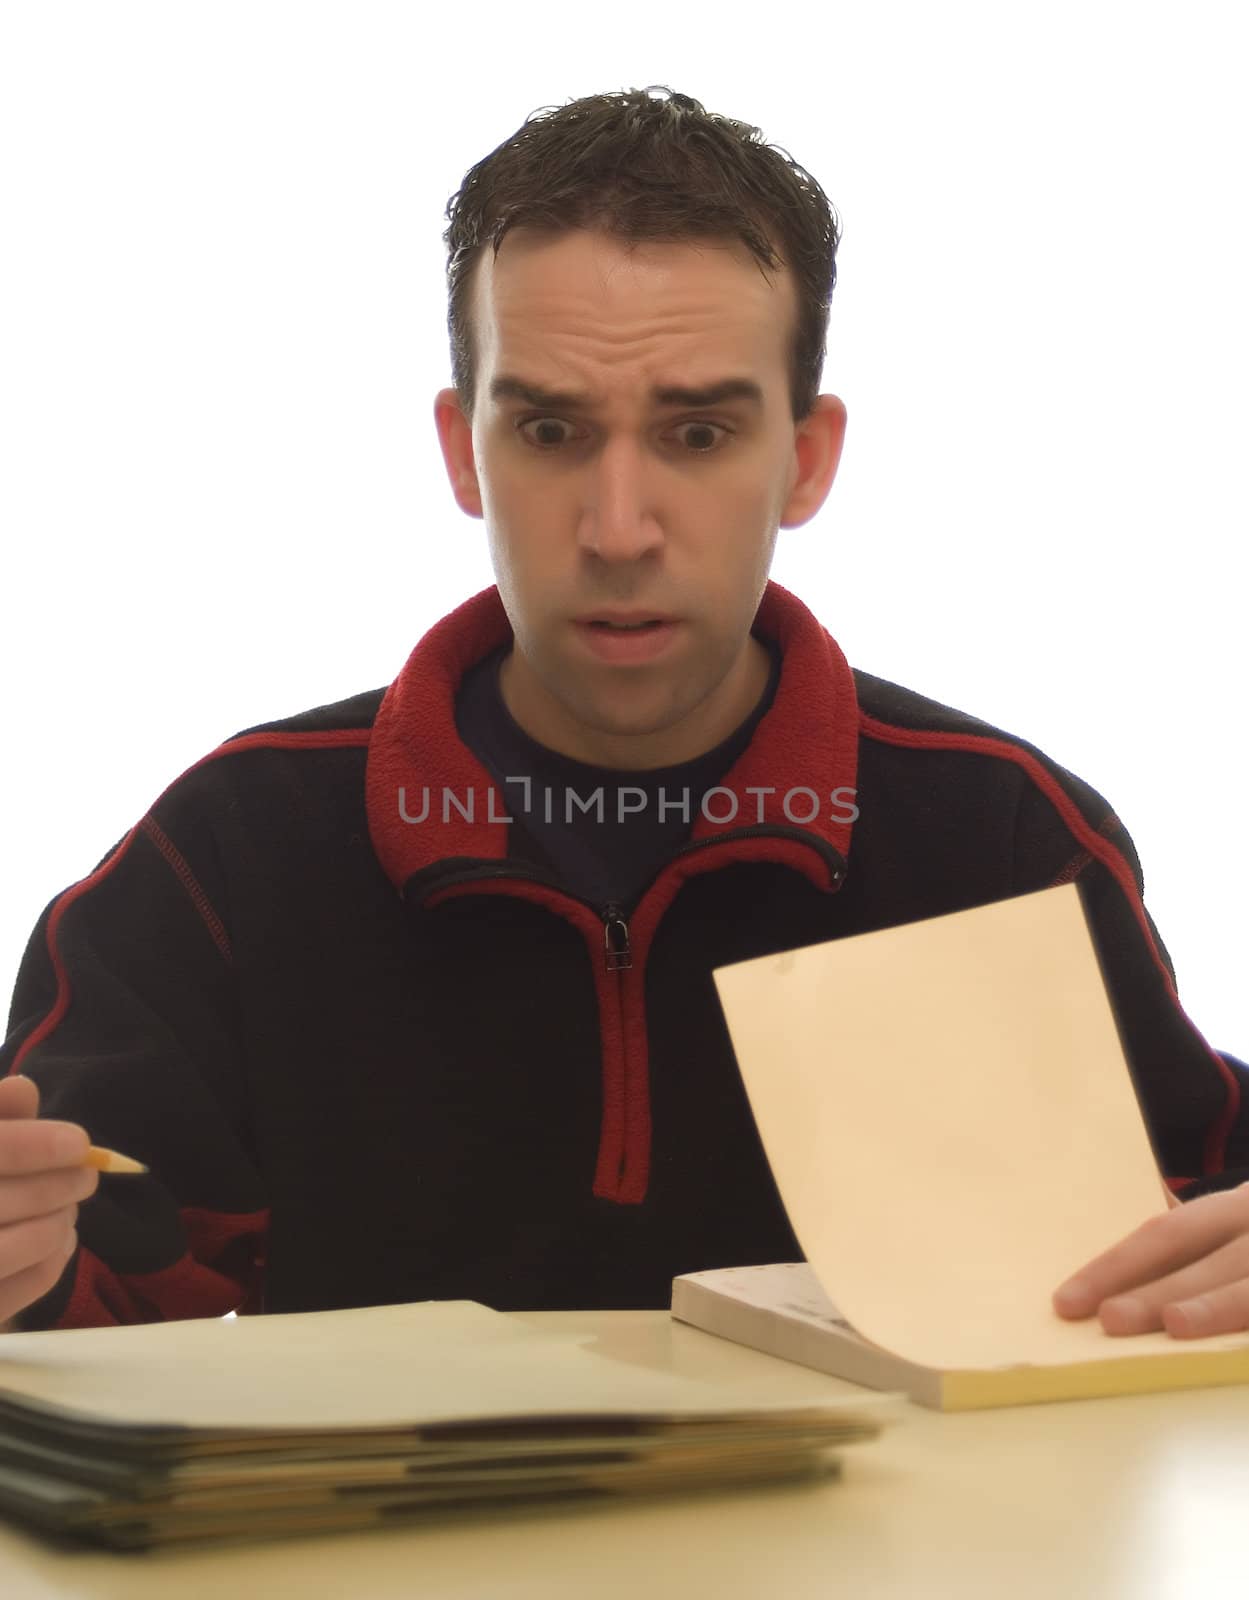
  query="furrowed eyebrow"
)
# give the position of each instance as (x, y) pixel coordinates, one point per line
(508, 387)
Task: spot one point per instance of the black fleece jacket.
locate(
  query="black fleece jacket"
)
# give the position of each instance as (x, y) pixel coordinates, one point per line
(371, 1059)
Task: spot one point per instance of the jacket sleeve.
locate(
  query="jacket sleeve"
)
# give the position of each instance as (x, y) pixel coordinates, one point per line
(122, 1015)
(1194, 1098)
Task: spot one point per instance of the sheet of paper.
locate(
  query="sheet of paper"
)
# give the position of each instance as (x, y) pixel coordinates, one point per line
(952, 1126)
(433, 1361)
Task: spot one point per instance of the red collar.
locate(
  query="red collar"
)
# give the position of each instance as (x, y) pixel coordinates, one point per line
(807, 741)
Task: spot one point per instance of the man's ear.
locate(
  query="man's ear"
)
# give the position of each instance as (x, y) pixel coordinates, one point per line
(455, 436)
(818, 442)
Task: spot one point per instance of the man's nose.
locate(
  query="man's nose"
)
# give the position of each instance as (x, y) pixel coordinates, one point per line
(618, 521)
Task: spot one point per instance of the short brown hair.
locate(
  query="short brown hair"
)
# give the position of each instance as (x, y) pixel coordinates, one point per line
(647, 169)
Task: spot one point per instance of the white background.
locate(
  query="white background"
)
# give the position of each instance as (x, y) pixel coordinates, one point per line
(222, 325)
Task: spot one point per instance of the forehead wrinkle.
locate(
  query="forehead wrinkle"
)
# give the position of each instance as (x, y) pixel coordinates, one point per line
(577, 337)
(539, 354)
(590, 325)
(737, 389)
(586, 315)
(583, 287)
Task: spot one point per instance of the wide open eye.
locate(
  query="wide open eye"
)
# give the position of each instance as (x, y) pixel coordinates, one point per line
(694, 426)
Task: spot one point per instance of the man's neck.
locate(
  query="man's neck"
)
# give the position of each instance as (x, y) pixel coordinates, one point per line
(549, 724)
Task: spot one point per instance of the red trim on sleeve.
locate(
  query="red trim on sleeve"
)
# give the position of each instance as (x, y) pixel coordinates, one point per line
(333, 737)
(1082, 858)
(102, 1297)
(210, 1232)
(1213, 1156)
(61, 1004)
(190, 1287)
(96, 1300)
(190, 883)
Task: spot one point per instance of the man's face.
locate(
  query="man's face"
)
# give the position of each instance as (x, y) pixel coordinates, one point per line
(624, 503)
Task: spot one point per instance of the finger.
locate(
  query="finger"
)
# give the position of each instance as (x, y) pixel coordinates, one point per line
(26, 1244)
(38, 1193)
(19, 1097)
(1142, 1309)
(37, 1145)
(1163, 1244)
(1224, 1310)
(24, 1288)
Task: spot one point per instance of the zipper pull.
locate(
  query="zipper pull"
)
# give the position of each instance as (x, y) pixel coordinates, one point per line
(616, 939)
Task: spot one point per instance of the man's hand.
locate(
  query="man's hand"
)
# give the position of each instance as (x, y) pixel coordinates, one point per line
(41, 1182)
(1185, 1272)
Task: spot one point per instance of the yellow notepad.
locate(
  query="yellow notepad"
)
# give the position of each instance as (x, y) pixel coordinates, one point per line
(953, 1129)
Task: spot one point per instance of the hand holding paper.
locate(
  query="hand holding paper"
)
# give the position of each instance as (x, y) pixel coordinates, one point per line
(1185, 1273)
(974, 1058)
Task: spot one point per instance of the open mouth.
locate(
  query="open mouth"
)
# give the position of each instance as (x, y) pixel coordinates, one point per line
(628, 627)
(625, 643)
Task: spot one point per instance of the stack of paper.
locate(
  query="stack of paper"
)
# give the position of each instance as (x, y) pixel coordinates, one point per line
(953, 1129)
(285, 1424)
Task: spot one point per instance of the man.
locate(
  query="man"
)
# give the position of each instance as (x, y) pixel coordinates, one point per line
(380, 1039)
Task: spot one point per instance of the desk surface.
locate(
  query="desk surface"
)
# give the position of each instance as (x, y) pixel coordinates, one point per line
(1139, 1497)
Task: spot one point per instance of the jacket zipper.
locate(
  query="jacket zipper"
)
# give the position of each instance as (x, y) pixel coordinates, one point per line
(617, 952)
(617, 1181)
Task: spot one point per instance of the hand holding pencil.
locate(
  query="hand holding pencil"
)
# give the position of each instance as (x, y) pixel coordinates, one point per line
(46, 1169)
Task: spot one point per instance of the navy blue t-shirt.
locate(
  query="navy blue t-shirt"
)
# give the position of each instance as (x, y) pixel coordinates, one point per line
(603, 832)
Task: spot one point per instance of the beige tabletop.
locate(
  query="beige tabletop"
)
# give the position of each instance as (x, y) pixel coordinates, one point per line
(1140, 1497)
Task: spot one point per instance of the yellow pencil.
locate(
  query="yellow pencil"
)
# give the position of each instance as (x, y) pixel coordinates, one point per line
(111, 1161)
